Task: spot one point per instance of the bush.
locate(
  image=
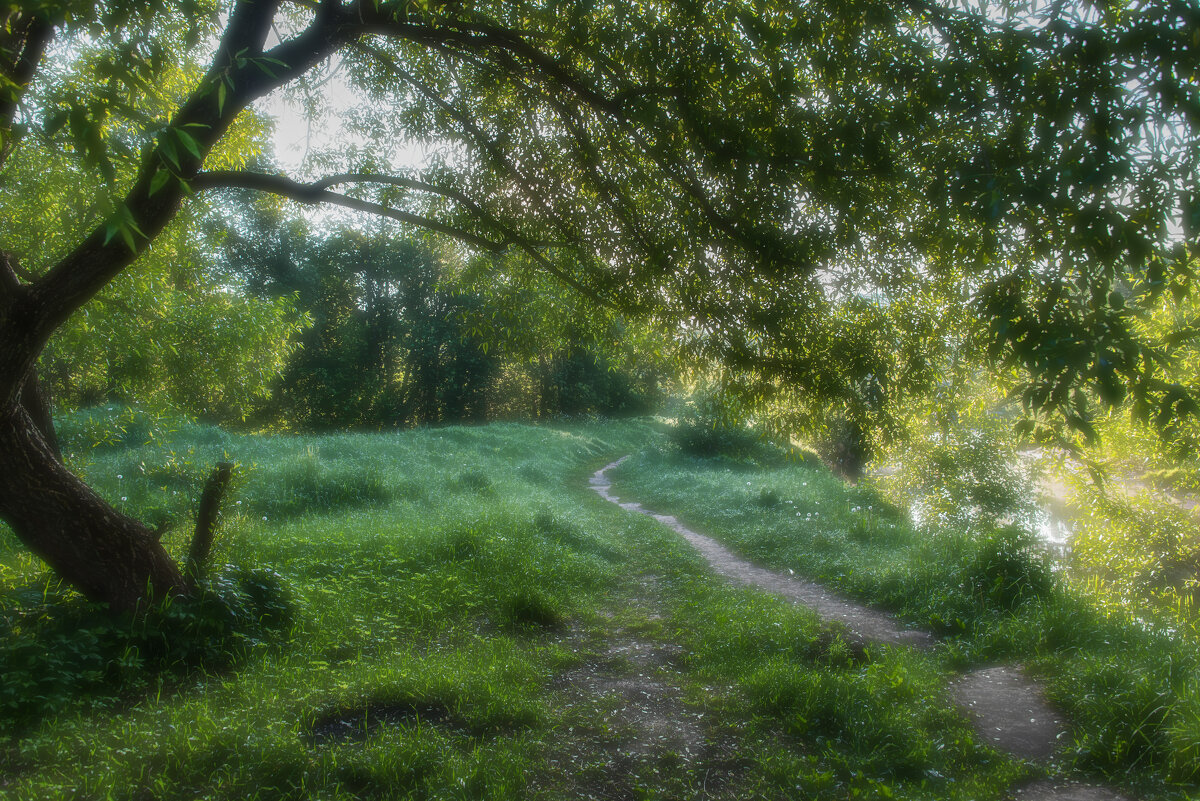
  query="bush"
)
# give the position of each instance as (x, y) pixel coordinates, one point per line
(1008, 568)
(57, 649)
(1140, 552)
(582, 382)
(846, 447)
(968, 476)
(708, 427)
(112, 427)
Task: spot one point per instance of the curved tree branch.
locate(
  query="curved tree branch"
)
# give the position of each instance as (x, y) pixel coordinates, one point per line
(394, 180)
(247, 72)
(318, 192)
(23, 42)
(244, 69)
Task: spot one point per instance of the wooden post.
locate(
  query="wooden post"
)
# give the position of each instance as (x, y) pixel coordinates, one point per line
(206, 522)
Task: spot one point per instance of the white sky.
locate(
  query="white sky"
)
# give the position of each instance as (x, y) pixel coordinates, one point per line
(299, 135)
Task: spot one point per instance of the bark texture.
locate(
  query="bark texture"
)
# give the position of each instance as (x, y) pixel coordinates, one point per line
(206, 521)
(108, 556)
(35, 397)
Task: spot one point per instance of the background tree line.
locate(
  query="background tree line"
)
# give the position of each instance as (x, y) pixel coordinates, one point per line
(315, 328)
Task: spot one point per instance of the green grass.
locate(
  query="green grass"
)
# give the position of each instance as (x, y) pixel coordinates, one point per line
(1129, 685)
(456, 601)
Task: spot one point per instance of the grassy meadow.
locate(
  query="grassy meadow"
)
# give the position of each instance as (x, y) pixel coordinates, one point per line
(450, 613)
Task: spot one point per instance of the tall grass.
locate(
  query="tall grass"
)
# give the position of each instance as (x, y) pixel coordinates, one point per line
(441, 586)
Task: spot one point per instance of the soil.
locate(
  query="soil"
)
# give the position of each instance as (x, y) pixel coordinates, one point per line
(1059, 791)
(1006, 706)
(1010, 711)
(631, 725)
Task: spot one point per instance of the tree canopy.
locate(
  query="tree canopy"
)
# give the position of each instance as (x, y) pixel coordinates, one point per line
(725, 165)
(734, 169)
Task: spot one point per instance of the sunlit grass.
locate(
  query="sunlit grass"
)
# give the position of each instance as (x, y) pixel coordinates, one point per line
(1128, 687)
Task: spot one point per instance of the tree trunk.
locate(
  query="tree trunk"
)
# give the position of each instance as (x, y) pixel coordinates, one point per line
(108, 556)
(35, 397)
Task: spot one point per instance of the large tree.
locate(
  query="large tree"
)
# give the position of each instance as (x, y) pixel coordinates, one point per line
(727, 166)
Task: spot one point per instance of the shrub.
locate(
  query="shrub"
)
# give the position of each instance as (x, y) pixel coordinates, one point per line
(112, 426)
(966, 476)
(1140, 552)
(57, 649)
(709, 427)
(1008, 568)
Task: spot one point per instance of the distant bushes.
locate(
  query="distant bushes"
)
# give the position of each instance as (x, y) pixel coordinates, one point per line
(709, 426)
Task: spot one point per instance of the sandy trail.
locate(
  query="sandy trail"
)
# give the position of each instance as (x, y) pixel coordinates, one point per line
(1007, 708)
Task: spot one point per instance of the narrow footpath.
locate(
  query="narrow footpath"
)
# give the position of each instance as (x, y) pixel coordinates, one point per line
(1006, 706)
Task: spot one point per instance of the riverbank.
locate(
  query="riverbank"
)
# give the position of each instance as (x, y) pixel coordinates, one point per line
(990, 598)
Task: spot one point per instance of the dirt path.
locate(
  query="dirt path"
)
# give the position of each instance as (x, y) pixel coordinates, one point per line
(632, 726)
(1007, 708)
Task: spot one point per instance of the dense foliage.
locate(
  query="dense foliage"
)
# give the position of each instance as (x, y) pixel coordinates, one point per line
(735, 168)
(401, 334)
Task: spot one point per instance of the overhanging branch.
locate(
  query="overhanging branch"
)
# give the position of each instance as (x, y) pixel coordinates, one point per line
(23, 43)
(476, 37)
(318, 192)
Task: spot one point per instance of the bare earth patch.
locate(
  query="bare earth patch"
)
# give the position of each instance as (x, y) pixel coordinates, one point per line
(1010, 711)
(632, 726)
(1007, 708)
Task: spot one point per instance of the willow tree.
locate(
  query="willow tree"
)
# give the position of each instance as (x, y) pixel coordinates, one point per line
(726, 167)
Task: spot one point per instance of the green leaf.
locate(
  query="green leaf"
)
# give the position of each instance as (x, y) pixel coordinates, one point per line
(127, 236)
(166, 149)
(159, 181)
(188, 142)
